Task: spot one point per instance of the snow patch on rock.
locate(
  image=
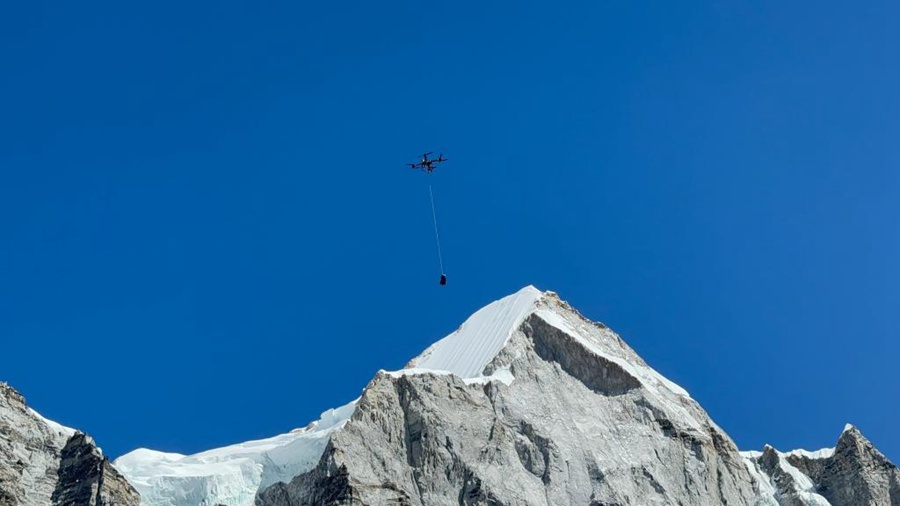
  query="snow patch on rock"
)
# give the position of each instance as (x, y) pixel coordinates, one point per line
(775, 489)
(764, 486)
(56, 427)
(804, 486)
(503, 375)
(824, 453)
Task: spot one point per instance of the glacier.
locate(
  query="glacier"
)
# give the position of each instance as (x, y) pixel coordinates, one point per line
(233, 474)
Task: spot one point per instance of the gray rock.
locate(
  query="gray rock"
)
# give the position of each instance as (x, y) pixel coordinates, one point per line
(856, 474)
(574, 427)
(86, 477)
(792, 488)
(563, 412)
(42, 463)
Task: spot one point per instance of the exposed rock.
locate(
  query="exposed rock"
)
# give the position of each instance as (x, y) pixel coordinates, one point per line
(86, 477)
(43, 463)
(584, 422)
(791, 487)
(527, 404)
(856, 473)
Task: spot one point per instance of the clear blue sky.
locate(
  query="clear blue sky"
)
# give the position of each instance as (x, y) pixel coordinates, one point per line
(208, 235)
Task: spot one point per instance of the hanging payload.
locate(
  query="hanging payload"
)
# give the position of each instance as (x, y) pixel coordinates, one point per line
(428, 165)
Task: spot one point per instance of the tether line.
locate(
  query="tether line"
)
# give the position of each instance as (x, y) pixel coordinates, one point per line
(436, 235)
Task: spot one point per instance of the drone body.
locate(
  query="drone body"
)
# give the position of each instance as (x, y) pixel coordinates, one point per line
(428, 165)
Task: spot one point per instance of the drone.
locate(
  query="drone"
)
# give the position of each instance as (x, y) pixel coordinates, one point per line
(428, 165)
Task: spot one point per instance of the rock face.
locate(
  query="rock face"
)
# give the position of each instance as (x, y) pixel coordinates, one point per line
(853, 473)
(780, 482)
(857, 473)
(527, 404)
(43, 463)
(564, 413)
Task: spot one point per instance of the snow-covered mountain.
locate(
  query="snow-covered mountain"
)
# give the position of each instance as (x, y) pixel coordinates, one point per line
(527, 403)
(233, 474)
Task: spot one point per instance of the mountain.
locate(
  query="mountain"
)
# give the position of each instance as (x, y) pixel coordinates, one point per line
(231, 475)
(43, 463)
(535, 405)
(853, 472)
(527, 403)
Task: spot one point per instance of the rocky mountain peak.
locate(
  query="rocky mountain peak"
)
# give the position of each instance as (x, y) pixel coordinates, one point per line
(528, 402)
(11, 396)
(858, 473)
(852, 473)
(852, 442)
(43, 463)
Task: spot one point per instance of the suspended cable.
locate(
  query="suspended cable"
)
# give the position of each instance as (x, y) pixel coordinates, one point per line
(437, 236)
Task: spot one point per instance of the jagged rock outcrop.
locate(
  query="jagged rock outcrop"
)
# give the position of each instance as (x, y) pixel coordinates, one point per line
(86, 477)
(853, 473)
(789, 487)
(43, 463)
(856, 473)
(584, 421)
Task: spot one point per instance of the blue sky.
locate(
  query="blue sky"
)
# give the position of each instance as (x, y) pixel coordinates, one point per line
(208, 235)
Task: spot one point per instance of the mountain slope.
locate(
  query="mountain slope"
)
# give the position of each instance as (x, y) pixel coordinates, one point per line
(231, 475)
(582, 420)
(43, 463)
(527, 403)
(852, 473)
